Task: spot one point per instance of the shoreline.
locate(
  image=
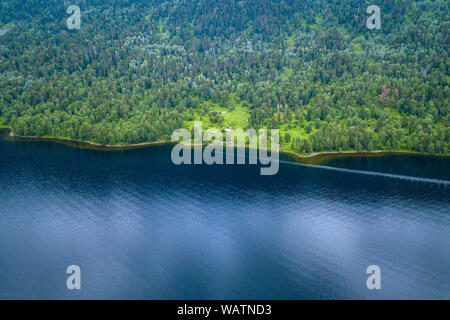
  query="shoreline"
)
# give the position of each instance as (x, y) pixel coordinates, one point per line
(312, 158)
(6, 28)
(318, 157)
(77, 144)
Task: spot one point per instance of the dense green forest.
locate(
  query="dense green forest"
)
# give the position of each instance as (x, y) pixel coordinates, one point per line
(138, 69)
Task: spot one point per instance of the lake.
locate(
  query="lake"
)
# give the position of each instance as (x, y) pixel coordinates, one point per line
(140, 227)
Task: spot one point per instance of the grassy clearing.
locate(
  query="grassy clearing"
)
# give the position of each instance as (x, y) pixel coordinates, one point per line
(236, 116)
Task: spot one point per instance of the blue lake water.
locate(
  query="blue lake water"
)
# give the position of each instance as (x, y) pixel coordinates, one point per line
(142, 228)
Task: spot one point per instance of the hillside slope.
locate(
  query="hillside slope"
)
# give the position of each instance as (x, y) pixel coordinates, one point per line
(137, 70)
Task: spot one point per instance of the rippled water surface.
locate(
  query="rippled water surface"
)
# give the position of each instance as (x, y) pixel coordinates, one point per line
(140, 227)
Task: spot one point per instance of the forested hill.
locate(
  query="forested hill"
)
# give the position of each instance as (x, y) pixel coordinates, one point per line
(137, 70)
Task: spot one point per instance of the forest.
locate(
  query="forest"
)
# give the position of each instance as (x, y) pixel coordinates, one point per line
(137, 70)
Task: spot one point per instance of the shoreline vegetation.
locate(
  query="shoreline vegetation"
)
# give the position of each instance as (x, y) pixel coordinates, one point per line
(310, 69)
(6, 28)
(7, 134)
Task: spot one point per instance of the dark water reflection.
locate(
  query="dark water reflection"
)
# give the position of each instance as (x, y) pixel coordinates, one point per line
(140, 227)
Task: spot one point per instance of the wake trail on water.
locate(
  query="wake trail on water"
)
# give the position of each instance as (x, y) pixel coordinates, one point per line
(370, 173)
